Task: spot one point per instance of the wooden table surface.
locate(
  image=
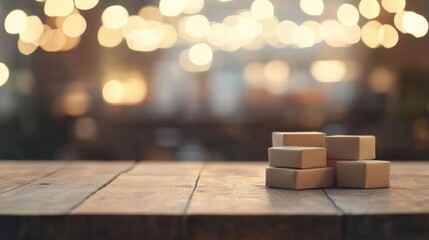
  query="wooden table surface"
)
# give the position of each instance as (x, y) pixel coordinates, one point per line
(195, 200)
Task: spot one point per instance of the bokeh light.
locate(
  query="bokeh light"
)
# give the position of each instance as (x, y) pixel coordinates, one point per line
(348, 15)
(115, 17)
(247, 25)
(113, 91)
(200, 54)
(135, 91)
(4, 74)
(55, 8)
(254, 75)
(285, 31)
(128, 92)
(328, 71)
(71, 43)
(16, 22)
(352, 34)
(187, 65)
(414, 24)
(393, 6)
(53, 40)
(167, 34)
(370, 34)
(387, 36)
(312, 7)
(219, 34)
(276, 73)
(316, 28)
(74, 25)
(151, 13)
(26, 48)
(171, 8)
(370, 9)
(262, 9)
(333, 33)
(134, 23)
(108, 37)
(33, 31)
(144, 40)
(398, 21)
(85, 4)
(197, 26)
(382, 80)
(304, 36)
(76, 100)
(193, 6)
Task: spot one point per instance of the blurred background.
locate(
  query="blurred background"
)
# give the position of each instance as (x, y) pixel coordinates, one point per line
(209, 79)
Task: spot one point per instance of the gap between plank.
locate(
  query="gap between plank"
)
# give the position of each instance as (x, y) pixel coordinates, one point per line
(104, 185)
(185, 213)
(342, 216)
(37, 178)
(333, 202)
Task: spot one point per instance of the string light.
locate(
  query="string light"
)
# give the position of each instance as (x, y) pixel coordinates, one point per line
(249, 29)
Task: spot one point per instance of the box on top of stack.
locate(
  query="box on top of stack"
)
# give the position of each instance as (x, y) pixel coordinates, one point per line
(300, 160)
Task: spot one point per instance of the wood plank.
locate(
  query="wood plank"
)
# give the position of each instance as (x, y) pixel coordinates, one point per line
(399, 212)
(59, 192)
(410, 167)
(154, 193)
(232, 202)
(40, 209)
(14, 174)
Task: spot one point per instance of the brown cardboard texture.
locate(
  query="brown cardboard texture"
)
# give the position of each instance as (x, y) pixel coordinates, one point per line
(363, 174)
(299, 178)
(297, 157)
(303, 139)
(348, 147)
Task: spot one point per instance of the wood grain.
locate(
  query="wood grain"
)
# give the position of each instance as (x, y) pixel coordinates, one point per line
(161, 200)
(14, 174)
(232, 202)
(399, 212)
(150, 188)
(59, 192)
(156, 194)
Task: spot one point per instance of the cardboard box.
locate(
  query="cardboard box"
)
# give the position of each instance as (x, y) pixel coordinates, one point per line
(363, 174)
(348, 147)
(297, 157)
(299, 178)
(303, 139)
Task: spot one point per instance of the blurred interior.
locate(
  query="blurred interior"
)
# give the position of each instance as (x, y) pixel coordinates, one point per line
(209, 79)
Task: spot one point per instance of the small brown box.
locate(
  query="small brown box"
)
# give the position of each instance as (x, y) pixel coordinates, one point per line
(303, 139)
(299, 178)
(297, 157)
(348, 147)
(363, 174)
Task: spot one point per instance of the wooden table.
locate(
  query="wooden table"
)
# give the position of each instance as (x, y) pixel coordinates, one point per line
(194, 200)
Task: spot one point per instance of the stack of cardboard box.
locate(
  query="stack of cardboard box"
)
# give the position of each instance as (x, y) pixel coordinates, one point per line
(304, 160)
(297, 160)
(352, 158)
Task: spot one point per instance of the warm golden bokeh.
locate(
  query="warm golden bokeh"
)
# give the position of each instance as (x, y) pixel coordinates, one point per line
(115, 17)
(328, 71)
(312, 7)
(4, 74)
(16, 21)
